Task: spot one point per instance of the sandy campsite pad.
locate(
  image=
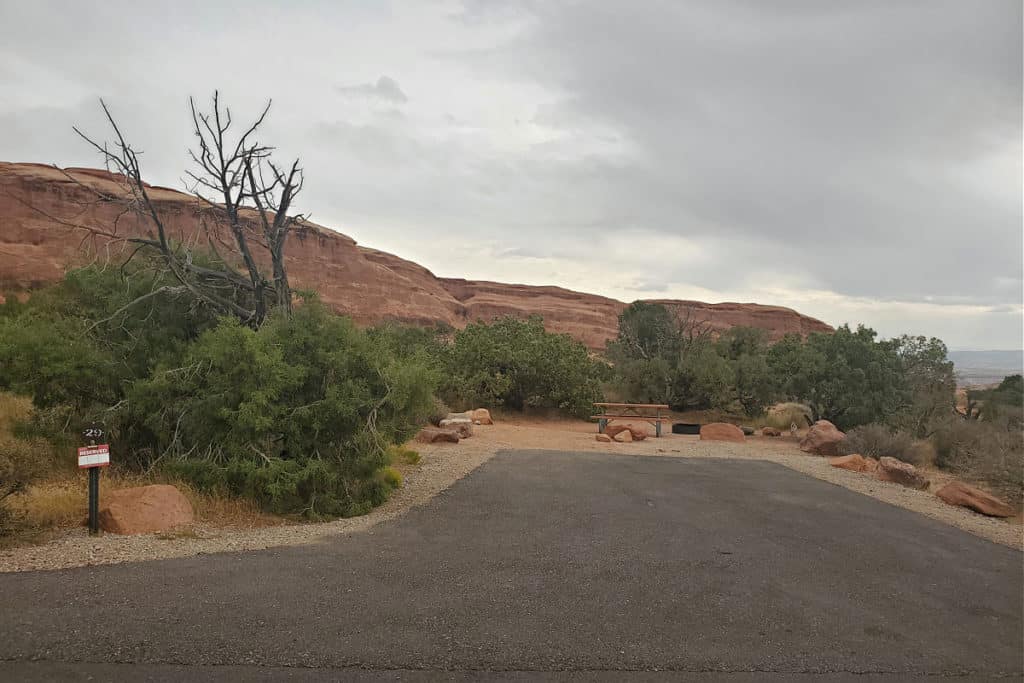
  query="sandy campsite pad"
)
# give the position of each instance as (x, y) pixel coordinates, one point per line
(445, 463)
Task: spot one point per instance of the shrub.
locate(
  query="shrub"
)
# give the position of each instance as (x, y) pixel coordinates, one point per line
(518, 364)
(311, 487)
(663, 356)
(296, 415)
(784, 415)
(878, 441)
(988, 452)
(399, 455)
(391, 477)
(846, 377)
(438, 411)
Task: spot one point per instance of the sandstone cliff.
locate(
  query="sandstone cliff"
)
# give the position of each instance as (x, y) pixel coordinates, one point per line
(40, 207)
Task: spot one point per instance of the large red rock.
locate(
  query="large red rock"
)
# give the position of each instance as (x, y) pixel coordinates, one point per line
(964, 495)
(144, 510)
(722, 431)
(902, 473)
(435, 435)
(822, 439)
(369, 285)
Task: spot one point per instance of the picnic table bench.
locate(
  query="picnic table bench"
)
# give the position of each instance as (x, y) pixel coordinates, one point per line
(641, 412)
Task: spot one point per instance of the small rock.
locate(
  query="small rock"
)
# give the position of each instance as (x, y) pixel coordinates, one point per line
(721, 431)
(465, 429)
(603, 438)
(747, 431)
(854, 462)
(434, 435)
(770, 431)
(964, 495)
(898, 472)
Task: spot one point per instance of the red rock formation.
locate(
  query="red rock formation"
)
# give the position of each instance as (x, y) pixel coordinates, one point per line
(36, 245)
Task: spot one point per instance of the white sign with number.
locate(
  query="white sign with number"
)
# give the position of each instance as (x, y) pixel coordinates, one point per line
(94, 456)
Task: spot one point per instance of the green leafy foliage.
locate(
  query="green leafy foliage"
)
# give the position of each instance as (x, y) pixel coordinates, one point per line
(847, 377)
(662, 357)
(930, 381)
(296, 414)
(517, 364)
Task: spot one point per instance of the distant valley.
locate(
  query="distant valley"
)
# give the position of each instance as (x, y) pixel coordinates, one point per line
(986, 367)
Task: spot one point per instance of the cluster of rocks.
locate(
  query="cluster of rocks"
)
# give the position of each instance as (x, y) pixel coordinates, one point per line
(622, 434)
(823, 438)
(455, 426)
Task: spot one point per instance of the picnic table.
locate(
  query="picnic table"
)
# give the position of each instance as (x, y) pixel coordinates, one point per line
(642, 412)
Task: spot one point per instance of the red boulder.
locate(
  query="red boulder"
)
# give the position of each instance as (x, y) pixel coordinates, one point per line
(721, 431)
(958, 493)
(822, 439)
(902, 473)
(144, 510)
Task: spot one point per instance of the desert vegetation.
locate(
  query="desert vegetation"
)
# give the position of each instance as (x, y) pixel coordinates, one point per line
(893, 397)
(207, 369)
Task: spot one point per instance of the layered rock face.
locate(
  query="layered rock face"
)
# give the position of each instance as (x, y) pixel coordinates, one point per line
(41, 206)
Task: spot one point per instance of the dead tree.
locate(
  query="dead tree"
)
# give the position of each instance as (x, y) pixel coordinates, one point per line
(239, 185)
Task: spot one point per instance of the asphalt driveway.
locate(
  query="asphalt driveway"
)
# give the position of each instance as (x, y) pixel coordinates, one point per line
(554, 565)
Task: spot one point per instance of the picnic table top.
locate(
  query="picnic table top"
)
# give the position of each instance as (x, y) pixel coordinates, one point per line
(660, 406)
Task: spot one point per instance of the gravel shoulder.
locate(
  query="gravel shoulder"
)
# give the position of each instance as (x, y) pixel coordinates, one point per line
(443, 464)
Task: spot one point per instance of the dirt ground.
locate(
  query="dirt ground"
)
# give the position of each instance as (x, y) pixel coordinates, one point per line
(443, 464)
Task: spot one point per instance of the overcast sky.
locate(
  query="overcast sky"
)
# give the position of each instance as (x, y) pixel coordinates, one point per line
(857, 160)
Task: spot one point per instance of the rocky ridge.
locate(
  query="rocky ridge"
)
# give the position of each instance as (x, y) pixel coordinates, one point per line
(41, 205)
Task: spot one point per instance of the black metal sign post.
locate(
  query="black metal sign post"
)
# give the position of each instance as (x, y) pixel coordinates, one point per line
(94, 457)
(94, 501)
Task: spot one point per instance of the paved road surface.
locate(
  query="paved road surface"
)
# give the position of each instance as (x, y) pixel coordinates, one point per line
(553, 566)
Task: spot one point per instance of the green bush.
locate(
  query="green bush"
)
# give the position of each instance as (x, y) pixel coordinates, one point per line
(517, 364)
(296, 415)
(878, 441)
(846, 377)
(406, 456)
(311, 487)
(662, 356)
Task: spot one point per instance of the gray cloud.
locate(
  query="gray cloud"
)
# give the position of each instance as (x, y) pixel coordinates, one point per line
(385, 89)
(860, 160)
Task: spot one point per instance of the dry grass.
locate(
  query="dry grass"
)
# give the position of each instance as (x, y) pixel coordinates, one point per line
(13, 409)
(62, 503)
